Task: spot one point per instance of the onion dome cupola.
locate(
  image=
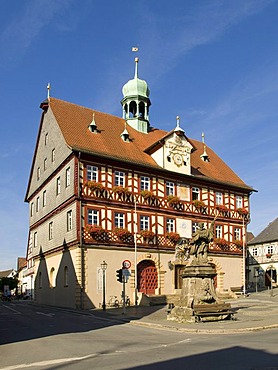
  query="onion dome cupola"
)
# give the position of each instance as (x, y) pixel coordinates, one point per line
(136, 102)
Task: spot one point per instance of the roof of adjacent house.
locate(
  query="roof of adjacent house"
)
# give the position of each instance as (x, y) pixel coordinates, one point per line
(74, 121)
(6, 273)
(269, 234)
(21, 263)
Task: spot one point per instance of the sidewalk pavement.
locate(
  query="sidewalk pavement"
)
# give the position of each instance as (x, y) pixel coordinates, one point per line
(257, 311)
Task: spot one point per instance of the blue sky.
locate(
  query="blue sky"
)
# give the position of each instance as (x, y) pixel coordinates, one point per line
(214, 63)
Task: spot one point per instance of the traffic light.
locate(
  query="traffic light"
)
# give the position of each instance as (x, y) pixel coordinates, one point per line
(120, 275)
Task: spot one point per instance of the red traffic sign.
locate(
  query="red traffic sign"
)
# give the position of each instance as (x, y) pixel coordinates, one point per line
(126, 264)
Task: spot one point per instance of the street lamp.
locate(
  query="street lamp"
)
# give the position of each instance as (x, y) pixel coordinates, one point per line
(103, 266)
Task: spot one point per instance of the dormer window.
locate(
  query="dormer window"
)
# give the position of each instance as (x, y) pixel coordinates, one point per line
(93, 125)
(125, 135)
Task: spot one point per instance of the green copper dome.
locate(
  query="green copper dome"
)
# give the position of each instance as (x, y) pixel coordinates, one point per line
(136, 86)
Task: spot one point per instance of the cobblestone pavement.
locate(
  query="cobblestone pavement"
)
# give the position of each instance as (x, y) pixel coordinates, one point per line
(257, 311)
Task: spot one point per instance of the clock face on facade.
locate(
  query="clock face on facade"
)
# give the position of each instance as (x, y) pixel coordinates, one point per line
(177, 159)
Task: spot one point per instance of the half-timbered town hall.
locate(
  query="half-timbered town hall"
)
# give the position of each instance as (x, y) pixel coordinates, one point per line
(105, 189)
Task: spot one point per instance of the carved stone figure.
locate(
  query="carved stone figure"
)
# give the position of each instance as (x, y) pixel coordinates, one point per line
(200, 242)
(197, 246)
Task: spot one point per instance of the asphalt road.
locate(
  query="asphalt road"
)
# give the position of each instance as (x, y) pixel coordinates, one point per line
(41, 337)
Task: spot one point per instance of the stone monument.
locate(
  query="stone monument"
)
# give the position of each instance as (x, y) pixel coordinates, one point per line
(198, 280)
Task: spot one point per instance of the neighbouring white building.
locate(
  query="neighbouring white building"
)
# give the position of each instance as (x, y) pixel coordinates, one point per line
(263, 257)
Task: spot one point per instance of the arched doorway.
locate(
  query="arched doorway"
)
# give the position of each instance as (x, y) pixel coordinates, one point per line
(147, 280)
(270, 274)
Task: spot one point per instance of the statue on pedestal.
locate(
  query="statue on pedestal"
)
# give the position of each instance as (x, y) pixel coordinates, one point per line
(200, 242)
(198, 291)
(197, 246)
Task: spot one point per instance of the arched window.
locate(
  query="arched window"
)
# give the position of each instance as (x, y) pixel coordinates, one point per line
(66, 276)
(52, 277)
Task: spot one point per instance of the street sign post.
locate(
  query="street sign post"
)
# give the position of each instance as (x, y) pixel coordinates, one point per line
(126, 264)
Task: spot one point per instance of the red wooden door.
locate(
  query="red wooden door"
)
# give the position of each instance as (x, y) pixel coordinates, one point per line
(147, 277)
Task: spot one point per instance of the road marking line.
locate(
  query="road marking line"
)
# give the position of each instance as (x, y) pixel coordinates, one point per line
(46, 363)
(45, 314)
(12, 309)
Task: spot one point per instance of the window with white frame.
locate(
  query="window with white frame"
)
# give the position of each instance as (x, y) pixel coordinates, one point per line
(35, 239)
(67, 177)
(194, 227)
(119, 178)
(144, 222)
(92, 173)
(119, 220)
(93, 217)
(50, 230)
(237, 233)
(145, 183)
(170, 225)
(38, 204)
(255, 252)
(218, 231)
(195, 193)
(69, 220)
(58, 185)
(238, 201)
(44, 198)
(269, 249)
(170, 188)
(218, 198)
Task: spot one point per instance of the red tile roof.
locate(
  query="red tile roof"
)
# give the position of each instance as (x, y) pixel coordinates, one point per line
(74, 120)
